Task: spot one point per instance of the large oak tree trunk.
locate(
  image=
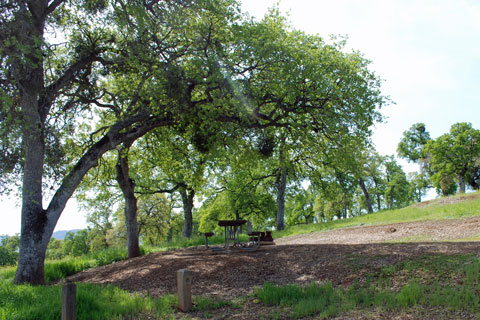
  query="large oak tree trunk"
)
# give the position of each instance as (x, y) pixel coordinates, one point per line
(28, 71)
(35, 229)
(188, 195)
(128, 189)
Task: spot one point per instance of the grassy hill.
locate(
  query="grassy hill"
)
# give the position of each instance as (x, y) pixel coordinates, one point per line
(455, 207)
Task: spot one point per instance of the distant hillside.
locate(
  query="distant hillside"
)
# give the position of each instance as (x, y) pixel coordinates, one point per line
(60, 235)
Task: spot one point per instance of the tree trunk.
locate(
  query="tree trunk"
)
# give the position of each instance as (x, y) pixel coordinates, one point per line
(281, 185)
(390, 201)
(27, 68)
(379, 201)
(188, 195)
(249, 226)
(461, 183)
(367, 196)
(128, 189)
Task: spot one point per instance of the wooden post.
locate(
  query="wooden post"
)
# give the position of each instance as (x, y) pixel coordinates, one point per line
(69, 301)
(184, 289)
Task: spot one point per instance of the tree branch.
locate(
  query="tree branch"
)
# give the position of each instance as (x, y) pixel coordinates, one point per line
(118, 133)
(52, 6)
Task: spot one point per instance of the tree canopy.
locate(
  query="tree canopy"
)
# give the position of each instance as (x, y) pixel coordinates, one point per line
(79, 79)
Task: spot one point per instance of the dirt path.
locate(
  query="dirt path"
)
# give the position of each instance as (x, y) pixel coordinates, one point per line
(339, 255)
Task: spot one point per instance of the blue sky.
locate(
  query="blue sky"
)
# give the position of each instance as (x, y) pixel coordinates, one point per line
(427, 51)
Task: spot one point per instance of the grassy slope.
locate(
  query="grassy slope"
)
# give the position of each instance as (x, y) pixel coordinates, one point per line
(456, 207)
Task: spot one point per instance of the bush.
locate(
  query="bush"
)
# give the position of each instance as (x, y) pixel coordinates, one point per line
(8, 257)
(109, 255)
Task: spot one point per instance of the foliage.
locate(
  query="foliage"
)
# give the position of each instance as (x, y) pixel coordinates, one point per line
(108, 256)
(242, 190)
(452, 160)
(455, 156)
(301, 208)
(398, 193)
(419, 184)
(412, 143)
(76, 244)
(157, 221)
(55, 250)
(9, 250)
(7, 256)
(12, 243)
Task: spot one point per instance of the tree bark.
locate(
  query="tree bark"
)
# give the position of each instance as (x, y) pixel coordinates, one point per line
(379, 201)
(390, 201)
(366, 194)
(461, 183)
(188, 195)
(281, 185)
(127, 185)
(35, 227)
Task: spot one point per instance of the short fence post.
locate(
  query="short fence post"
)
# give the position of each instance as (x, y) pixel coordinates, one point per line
(184, 289)
(69, 301)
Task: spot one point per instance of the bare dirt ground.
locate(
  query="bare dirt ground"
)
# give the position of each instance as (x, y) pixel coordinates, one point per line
(340, 256)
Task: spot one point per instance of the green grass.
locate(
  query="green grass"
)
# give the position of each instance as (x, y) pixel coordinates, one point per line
(448, 282)
(434, 210)
(303, 301)
(93, 302)
(25, 302)
(60, 269)
(207, 303)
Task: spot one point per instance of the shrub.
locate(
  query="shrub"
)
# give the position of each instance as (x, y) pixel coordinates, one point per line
(8, 257)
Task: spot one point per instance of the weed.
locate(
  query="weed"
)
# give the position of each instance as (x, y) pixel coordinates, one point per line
(207, 303)
(304, 300)
(409, 295)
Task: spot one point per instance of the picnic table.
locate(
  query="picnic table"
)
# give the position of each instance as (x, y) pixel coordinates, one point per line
(232, 231)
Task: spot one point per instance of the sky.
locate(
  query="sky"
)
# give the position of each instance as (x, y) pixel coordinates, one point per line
(426, 51)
